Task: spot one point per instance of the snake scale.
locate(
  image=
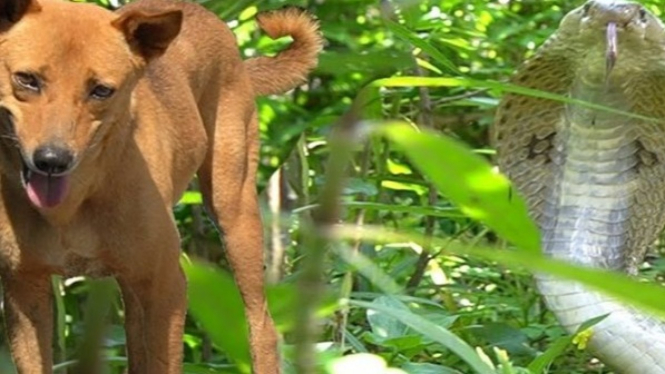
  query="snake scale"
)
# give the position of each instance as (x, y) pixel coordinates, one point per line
(594, 181)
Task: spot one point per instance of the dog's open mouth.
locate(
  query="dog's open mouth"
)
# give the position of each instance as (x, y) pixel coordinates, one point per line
(44, 190)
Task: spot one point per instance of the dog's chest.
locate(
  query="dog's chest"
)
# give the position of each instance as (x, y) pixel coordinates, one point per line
(78, 250)
(75, 249)
(80, 253)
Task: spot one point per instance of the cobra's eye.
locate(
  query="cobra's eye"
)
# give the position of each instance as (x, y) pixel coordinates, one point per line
(101, 92)
(586, 8)
(28, 81)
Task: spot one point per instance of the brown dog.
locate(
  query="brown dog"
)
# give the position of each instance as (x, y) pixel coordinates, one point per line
(105, 119)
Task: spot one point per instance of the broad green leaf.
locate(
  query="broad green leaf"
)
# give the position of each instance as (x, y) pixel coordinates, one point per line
(215, 302)
(403, 343)
(648, 296)
(504, 336)
(431, 331)
(383, 325)
(499, 86)
(469, 181)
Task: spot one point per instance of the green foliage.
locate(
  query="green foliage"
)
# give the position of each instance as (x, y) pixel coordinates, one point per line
(468, 180)
(437, 279)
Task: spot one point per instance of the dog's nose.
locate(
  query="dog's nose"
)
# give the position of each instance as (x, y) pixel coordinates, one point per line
(52, 159)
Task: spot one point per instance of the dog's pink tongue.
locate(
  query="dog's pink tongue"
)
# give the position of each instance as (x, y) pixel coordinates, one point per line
(47, 191)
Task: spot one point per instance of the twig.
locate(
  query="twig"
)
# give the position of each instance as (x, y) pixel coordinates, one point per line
(463, 96)
(310, 283)
(348, 276)
(432, 196)
(276, 254)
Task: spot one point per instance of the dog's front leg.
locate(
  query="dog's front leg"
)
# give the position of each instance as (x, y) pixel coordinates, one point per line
(155, 299)
(29, 318)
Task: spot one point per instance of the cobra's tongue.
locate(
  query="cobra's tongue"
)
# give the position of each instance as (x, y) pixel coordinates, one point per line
(46, 191)
(611, 50)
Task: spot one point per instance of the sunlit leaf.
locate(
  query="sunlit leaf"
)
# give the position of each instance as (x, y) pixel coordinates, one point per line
(648, 296)
(361, 363)
(408, 35)
(469, 181)
(501, 87)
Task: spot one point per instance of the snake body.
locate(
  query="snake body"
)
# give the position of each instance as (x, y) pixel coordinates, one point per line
(594, 181)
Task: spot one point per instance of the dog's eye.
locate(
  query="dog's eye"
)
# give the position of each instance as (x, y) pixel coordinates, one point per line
(28, 81)
(101, 92)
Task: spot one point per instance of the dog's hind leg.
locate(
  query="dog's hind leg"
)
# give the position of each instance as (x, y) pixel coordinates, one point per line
(154, 295)
(29, 318)
(228, 184)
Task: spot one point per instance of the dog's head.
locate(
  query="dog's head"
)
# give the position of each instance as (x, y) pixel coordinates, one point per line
(67, 72)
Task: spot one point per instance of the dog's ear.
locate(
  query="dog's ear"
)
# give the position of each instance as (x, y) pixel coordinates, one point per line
(149, 34)
(12, 10)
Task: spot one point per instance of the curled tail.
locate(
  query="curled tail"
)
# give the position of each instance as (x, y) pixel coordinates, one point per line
(289, 68)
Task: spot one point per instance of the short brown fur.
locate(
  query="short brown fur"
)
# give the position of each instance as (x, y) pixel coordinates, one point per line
(182, 102)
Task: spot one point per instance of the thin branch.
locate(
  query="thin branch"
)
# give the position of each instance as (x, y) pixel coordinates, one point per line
(310, 283)
(432, 197)
(276, 250)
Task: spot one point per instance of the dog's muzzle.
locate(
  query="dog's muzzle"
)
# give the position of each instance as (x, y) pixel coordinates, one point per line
(46, 175)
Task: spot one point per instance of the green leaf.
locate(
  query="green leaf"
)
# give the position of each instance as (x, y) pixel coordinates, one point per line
(215, 302)
(431, 331)
(469, 181)
(501, 87)
(504, 336)
(424, 368)
(555, 349)
(404, 343)
(359, 186)
(409, 36)
(381, 62)
(620, 286)
(191, 198)
(558, 347)
(383, 325)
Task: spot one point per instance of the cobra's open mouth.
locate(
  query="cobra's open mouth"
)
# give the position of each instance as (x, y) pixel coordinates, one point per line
(44, 190)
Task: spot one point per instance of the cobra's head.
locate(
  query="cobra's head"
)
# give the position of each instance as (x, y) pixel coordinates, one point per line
(621, 36)
(591, 19)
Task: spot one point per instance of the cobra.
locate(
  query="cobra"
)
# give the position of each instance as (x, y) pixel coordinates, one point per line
(594, 181)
